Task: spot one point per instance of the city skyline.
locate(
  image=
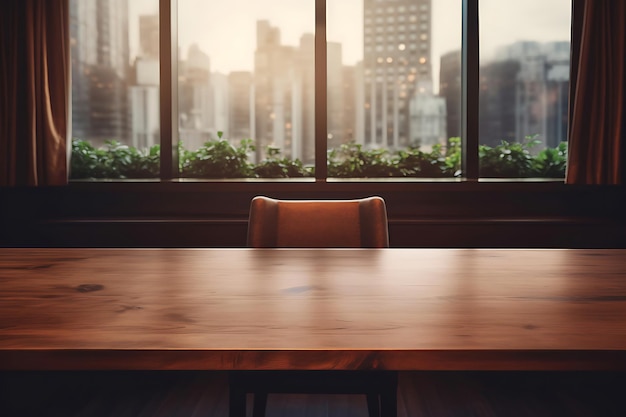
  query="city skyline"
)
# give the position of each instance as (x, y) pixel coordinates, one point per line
(501, 22)
(386, 100)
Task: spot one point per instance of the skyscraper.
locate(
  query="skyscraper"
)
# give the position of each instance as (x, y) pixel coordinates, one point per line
(450, 89)
(557, 89)
(144, 93)
(352, 89)
(149, 35)
(498, 102)
(336, 123)
(284, 87)
(397, 49)
(524, 93)
(196, 103)
(241, 105)
(100, 57)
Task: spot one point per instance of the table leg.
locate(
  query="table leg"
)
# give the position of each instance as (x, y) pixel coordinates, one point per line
(373, 404)
(237, 401)
(260, 404)
(389, 397)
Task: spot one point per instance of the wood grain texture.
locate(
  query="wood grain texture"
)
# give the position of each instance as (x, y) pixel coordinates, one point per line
(358, 309)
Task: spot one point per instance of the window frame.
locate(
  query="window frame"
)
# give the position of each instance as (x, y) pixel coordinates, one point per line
(470, 84)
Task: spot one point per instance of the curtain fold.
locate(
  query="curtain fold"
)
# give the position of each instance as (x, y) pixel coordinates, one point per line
(34, 92)
(597, 141)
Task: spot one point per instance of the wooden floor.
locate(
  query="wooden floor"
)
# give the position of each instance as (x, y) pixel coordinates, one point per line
(195, 394)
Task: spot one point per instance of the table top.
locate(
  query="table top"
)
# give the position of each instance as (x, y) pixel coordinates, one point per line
(402, 309)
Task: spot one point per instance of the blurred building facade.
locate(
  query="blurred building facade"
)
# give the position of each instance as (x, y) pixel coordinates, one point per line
(397, 58)
(523, 93)
(100, 70)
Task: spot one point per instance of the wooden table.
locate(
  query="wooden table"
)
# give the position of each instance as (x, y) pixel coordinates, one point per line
(363, 309)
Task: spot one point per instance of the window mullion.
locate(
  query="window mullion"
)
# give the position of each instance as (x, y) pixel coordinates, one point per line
(321, 131)
(470, 89)
(168, 59)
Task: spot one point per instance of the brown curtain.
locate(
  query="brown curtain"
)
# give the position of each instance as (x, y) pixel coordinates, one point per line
(34, 92)
(597, 142)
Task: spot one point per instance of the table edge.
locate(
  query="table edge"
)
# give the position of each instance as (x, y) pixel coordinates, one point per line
(363, 360)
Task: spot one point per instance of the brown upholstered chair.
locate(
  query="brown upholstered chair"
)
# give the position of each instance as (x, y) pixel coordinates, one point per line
(360, 223)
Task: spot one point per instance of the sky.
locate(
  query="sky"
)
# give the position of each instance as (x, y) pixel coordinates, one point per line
(226, 30)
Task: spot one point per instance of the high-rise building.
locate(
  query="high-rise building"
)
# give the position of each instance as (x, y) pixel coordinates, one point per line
(450, 90)
(284, 94)
(144, 91)
(218, 103)
(498, 102)
(530, 87)
(524, 93)
(100, 69)
(241, 106)
(144, 99)
(352, 90)
(196, 107)
(335, 123)
(272, 62)
(302, 126)
(397, 50)
(360, 103)
(427, 117)
(557, 91)
(149, 35)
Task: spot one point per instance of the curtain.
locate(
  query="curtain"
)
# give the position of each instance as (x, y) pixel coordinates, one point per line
(34, 92)
(597, 142)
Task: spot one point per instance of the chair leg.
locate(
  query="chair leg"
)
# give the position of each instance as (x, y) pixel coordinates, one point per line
(236, 398)
(260, 404)
(373, 405)
(389, 398)
(237, 404)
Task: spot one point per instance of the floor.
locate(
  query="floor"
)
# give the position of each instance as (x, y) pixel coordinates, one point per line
(194, 394)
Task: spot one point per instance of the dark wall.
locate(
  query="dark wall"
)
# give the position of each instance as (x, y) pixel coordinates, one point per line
(189, 214)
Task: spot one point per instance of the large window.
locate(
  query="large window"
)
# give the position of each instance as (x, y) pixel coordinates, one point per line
(319, 89)
(115, 88)
(390, 87)
(246, 88)
(524, 84)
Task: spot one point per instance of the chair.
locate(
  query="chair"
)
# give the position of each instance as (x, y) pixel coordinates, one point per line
(359, 223)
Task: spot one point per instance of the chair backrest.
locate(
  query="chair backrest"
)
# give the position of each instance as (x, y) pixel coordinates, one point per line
(359, 223)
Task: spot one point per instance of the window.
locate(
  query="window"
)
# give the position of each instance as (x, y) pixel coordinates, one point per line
(252, 105)
(524, 84)
(115, 88)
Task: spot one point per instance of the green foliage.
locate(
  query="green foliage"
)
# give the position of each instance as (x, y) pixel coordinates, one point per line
(507, 160)
(551, 162)
(452, 157)
(415, 163)
(440, 162)
(352, 161)
(114, 160)
(217, 159)
(514, 160)
(220, 159)
(275, 166)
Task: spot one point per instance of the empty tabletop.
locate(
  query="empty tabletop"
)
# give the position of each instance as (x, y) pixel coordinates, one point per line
(345, 309)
